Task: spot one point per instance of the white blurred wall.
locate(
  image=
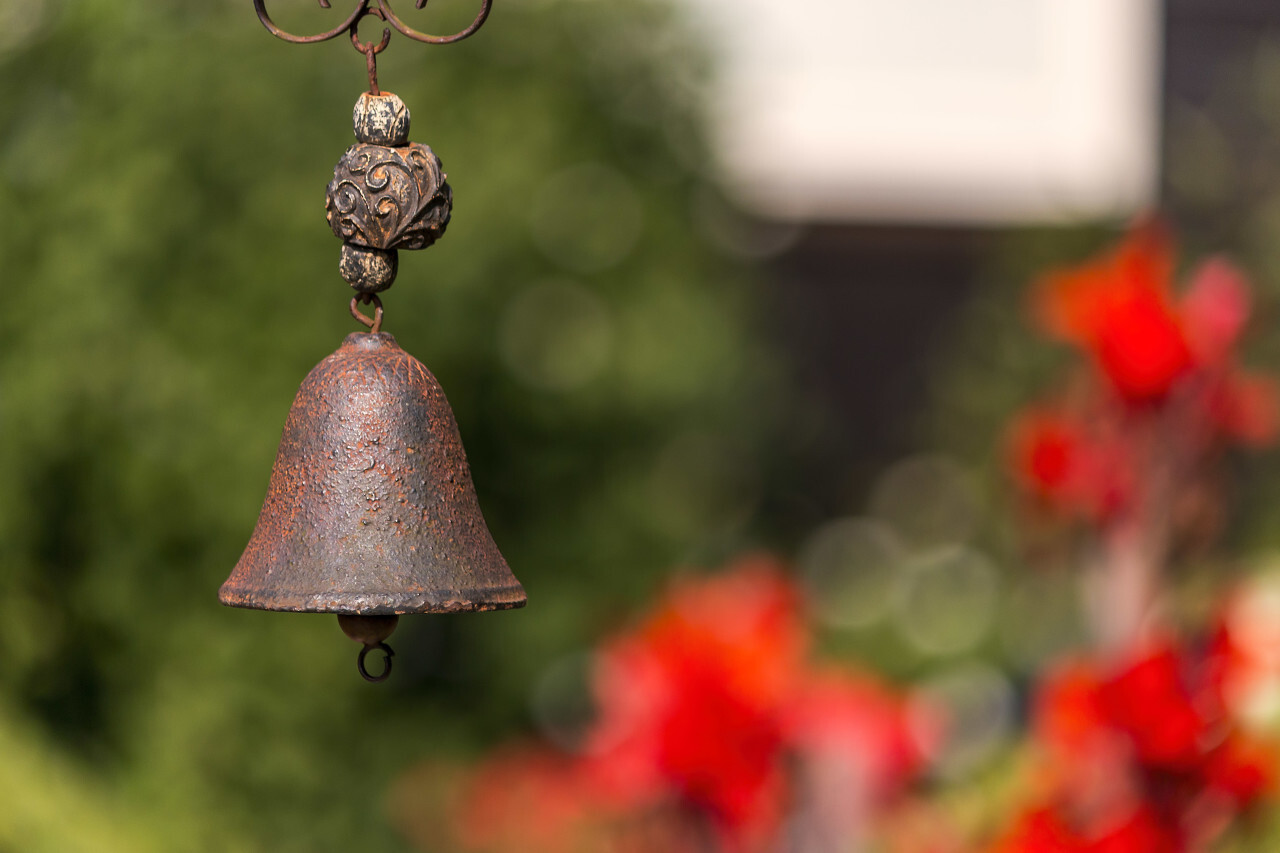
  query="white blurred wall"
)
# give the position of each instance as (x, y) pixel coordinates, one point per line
(974, 111)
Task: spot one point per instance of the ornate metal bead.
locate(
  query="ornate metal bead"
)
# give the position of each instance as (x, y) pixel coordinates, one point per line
(389, 198)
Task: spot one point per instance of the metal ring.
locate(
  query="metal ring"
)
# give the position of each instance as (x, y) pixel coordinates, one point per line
(405, 29)
(374, 323)
(386, 663)
(366, 48)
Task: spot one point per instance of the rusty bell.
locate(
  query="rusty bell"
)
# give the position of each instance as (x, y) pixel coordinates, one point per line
(370, 512)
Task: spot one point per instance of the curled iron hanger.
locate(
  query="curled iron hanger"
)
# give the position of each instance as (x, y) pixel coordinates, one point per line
(260, 6)
(363, 8)
(405, 29)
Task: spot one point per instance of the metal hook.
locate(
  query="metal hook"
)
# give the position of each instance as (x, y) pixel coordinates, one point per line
(374, 324)
(386, 663)
(371, 50)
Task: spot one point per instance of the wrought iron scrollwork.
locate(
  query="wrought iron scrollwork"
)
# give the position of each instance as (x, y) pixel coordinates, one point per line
(381, 9)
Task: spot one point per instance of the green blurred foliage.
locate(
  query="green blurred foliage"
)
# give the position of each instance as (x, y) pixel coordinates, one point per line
(170, 280)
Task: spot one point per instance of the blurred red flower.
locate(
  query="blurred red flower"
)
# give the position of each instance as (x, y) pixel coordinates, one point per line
(856, 723)
(1143, 339)
(711, 722)
(1068, 466)
(1166, 705)
(1165, 390)
(1152, 702)
(526, 798)
(1119, 309)
(1144, 748)
(1142, 755)
(1047, 830)
(1215, 309)
(691, 702)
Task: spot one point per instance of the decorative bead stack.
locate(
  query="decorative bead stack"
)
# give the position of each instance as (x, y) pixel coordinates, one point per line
(387, 194)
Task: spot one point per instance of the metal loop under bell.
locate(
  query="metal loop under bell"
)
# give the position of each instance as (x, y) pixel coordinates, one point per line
(386, 663)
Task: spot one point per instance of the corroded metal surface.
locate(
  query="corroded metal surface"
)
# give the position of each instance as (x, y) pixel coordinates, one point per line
(375, 322)
(388, 198)
(370, 509)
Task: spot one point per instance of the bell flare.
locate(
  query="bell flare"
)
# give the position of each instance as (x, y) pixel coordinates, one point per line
(370, 509)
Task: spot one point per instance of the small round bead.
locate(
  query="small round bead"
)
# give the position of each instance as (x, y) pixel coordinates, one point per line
(368, 270)
(381, 119)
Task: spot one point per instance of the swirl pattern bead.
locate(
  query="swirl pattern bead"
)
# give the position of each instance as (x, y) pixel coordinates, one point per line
(389, 198)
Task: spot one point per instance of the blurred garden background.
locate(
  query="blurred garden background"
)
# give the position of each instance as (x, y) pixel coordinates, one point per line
(876, 404)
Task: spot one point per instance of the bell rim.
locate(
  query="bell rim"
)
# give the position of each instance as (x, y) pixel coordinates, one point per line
(379, 604)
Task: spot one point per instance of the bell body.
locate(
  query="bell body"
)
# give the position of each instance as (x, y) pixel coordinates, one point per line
(370, 510)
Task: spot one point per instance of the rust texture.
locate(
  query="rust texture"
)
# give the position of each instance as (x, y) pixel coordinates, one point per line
(374, 323)
(388, 198)
(370, 508)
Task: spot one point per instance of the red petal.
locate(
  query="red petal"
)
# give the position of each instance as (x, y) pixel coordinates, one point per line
(1215, 310)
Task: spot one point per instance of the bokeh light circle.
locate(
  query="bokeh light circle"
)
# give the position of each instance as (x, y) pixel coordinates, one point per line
(849, 567)
(556, 336)
(587, 218)
(929, 500)
(961, 717)
(947, 600)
